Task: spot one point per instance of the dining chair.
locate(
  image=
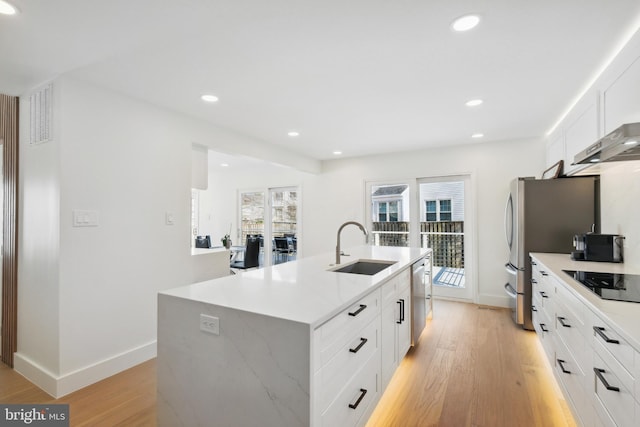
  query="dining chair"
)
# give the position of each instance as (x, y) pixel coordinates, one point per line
(251, 254)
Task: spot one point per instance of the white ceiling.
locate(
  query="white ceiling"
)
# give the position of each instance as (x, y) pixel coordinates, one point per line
(360, 76)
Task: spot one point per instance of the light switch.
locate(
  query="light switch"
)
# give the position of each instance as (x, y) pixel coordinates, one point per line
(168, 218)
(82, 218)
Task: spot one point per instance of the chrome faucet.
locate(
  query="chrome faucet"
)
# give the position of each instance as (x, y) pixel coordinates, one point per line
(364, 230)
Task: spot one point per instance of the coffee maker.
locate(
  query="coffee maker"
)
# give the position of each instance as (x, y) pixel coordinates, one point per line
(597, 247)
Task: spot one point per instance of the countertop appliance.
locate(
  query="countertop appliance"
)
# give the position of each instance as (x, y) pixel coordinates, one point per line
(597, 247)
(610, 286)
(418, 301)
(543, 216)
(620, 144)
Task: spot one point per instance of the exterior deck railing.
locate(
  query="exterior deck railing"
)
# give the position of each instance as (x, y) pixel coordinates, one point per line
(445, 238)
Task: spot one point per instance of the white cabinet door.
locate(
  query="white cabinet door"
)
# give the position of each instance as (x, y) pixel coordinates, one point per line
(620, 99)
(555, 150)
(404, 322)
(581, 133)
(389, 356)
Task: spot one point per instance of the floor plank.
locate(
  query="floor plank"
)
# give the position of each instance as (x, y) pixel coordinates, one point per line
(472, 367)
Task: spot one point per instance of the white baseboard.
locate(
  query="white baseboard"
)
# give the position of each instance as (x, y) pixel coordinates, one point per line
(58, 386)
(494, 300)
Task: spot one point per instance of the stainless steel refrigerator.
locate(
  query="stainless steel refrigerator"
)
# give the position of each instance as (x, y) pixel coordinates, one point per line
(543, 216)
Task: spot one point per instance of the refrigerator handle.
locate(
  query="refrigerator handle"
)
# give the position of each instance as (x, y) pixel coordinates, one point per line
(506, 232)
(510, 269)
(510, 291)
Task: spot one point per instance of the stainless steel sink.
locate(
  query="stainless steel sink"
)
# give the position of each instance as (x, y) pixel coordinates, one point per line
(366, 267)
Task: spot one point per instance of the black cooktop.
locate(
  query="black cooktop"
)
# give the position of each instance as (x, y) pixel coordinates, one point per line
(611, 286)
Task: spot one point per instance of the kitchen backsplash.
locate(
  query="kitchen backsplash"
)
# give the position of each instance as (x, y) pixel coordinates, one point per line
(620, 205)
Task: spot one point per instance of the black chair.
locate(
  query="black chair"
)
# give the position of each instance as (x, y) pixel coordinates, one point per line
(251, 254)
(281, 246)
(203, 242)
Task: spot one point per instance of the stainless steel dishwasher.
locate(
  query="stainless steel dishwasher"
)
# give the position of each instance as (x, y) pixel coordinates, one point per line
(418, 301)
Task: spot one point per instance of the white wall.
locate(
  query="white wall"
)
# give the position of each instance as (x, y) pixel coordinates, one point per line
(620, 204)
(337, 195)
(87, 295)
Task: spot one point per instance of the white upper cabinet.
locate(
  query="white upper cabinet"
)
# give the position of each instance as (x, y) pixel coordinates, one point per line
(581, 133)
(621, 100)
(555, 149)
(611, 102)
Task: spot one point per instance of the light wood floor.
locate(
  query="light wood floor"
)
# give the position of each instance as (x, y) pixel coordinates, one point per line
(473, 367)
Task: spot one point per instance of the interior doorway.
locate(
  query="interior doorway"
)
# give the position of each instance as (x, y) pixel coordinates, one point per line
(446, 226)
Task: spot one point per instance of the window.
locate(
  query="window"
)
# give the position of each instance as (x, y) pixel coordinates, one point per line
(251, 214)
(388, 211)
(438, 210)
(445, 210)
(432, 214)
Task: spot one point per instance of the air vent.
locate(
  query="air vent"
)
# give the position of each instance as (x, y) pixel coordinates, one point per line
(41, 107)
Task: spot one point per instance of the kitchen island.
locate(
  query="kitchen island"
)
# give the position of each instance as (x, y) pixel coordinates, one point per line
(280, 346)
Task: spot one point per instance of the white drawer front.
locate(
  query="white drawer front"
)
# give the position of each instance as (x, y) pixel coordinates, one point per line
(339, 370)
(568, 329)
(614, 343)
(354, 400)
(618, 403)
(341, 329)
(574, 379)
(572, 309)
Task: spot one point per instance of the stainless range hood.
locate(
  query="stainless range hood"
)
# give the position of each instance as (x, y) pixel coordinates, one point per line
(621, 144)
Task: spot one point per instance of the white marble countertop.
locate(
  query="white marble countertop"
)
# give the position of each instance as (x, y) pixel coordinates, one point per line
(623, 316)
(301, 291)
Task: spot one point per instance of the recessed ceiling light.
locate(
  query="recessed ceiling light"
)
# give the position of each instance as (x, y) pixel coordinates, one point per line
(209, 98)
(7, 8)
(474, 102)
(337, 153)
(477, 135)
(465, 23)
(631, 142)
(293, 133)
(224, 165)
(595, 160)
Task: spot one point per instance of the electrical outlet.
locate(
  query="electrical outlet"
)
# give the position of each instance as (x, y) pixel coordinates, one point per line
(210, 324)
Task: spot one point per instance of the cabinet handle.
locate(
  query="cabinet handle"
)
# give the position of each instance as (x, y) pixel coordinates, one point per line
(358, 311)
(399, 321)
(534, 281)
(561, 320)
(363, 341)
(543, 327)
(355, 405)
(544, 294)
(600, 331)
(402, 311)
(533, 308)
(599, 373)
(560, 362)
(533, 263)
(544, 273)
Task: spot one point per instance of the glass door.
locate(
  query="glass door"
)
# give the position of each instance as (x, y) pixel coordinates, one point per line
(389, 214)
(284, 224)
(445, 212)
